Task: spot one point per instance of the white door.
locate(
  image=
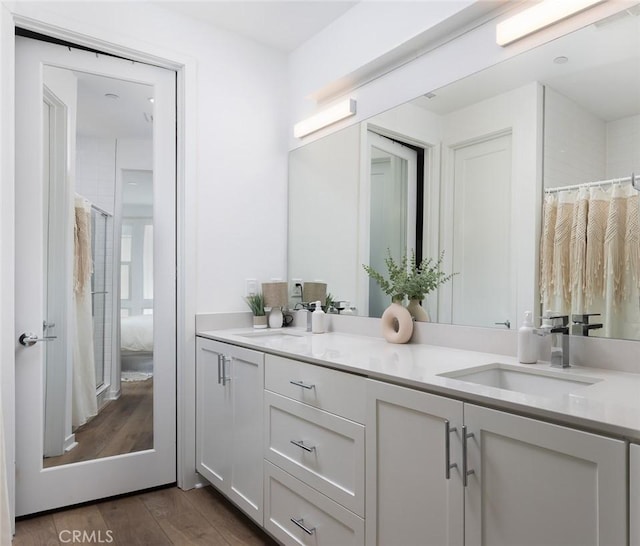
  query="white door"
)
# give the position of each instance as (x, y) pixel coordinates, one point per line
(536, 483)
(393, 212)
(414, 494)
(482, 290)
(39, 488)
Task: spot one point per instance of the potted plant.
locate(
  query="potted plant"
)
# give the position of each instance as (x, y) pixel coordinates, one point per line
(407, 278)
(256, 304)
(422, 280)
(396, 285)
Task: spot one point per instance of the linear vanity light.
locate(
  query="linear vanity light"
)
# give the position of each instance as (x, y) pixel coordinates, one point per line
(337, 112)
(537, 17)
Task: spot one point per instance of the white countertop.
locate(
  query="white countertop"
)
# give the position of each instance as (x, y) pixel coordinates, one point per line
(611, 405)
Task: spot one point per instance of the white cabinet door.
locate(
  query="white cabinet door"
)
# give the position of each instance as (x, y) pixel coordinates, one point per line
(229, 422)
(213, 414)
(409, 499)
(634, 494)
(535, 483)
(246, 376)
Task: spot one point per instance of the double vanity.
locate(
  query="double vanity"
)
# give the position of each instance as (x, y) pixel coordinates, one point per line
(344, 439)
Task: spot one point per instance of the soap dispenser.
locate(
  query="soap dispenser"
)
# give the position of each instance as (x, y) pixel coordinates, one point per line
(527, 347)
(317, 320)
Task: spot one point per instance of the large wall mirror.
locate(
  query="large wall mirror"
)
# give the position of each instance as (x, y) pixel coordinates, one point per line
(492, 150)
(99, 387)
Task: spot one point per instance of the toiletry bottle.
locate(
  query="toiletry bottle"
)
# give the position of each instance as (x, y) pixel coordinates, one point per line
(527, 347)
(317, 320)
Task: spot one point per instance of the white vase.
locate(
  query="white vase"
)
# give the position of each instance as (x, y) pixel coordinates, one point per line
(418, 312)
(276, 318)
(397, 324)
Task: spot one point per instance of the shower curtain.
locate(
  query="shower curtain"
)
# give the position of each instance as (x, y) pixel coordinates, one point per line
(589, 257)
(84, 401)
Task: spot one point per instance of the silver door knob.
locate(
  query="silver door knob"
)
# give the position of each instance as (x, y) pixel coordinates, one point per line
(29, 339)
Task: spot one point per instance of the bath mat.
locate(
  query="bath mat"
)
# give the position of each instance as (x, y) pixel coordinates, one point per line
(135, 376)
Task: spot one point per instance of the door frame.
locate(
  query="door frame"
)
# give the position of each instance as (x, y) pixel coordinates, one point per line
(32, 18)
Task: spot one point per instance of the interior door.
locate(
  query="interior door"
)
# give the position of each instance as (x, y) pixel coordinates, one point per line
(46, 175)
(392, 225)
(482, 234)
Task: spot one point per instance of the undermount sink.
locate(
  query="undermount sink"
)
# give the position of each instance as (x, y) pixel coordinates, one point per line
(539, 382)
(271, 334)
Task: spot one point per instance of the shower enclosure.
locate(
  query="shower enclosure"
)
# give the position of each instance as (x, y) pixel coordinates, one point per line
(101, 301)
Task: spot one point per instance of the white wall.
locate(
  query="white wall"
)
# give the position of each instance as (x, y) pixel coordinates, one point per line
(574, 142)
(323, 218)
(623, 145)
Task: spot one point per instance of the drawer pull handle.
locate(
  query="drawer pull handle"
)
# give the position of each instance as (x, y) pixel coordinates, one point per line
(303, 385)
(301, 445)
(465, 472)
(300, 523)
(447, 449)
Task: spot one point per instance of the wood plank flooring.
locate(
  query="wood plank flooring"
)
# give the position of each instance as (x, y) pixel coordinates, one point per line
(122, 426)
(162, 517)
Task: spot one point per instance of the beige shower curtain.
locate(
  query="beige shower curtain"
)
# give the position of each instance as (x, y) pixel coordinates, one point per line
(84, 401)
(589, 257)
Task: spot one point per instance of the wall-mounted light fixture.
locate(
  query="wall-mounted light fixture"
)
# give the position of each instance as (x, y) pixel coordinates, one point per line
(537, 17)
(337, 112)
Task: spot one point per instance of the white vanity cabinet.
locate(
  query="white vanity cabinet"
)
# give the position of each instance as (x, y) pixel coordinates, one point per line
(634, 494)
(413, 497)
(314, 454)
(537, 483)
(529, 483)
(229, 422)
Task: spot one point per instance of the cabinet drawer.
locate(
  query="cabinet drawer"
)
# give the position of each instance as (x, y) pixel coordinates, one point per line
(325, 522)
(328, 453)
(338, 392)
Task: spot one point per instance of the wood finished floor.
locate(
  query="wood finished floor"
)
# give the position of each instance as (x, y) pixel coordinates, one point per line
(124, 425)
(164, 517)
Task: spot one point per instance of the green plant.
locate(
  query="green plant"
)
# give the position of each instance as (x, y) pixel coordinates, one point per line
(256, 304)
(426, 277)
(408, 278)
(396, 285)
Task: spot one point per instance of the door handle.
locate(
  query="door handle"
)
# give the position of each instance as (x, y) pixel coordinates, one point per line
(448, 465)
(29, 339)
(466, 472)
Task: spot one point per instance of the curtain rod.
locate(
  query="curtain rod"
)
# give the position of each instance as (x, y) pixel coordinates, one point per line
(101, 211)
(634, 182)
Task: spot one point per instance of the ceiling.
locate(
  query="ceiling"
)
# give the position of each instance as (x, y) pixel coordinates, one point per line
(281, 25)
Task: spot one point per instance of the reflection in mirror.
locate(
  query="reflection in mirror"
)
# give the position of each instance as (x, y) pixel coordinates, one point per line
(591, 237)
(98, 141)
(482, 139)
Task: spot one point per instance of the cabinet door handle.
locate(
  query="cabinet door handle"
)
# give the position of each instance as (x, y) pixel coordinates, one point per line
(301, 445)
(225, 378)
(300, 523)
(447, 449)
(465, 471)
(303, 385)
(219, 368)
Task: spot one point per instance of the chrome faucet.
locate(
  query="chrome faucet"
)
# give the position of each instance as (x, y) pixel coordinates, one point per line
(557, 327)
(581, 326)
